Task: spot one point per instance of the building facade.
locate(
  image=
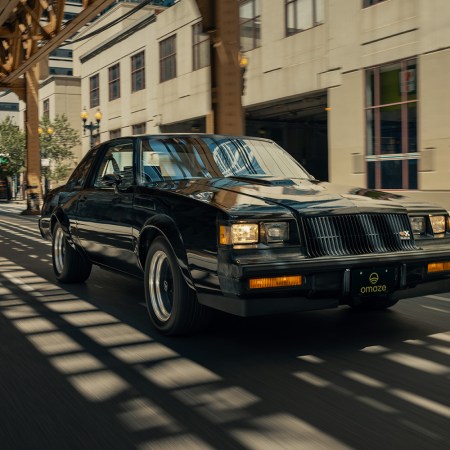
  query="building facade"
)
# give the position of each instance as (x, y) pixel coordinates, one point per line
(354, 89)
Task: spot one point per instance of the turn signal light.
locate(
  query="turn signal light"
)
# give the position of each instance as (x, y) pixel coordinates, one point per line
(261, 283)
(438, 266)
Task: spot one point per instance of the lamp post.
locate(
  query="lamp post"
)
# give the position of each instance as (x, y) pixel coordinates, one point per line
(243, 63)
(45, 161)
(91, 126)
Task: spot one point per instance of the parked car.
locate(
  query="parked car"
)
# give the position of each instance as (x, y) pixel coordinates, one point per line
(236, 224)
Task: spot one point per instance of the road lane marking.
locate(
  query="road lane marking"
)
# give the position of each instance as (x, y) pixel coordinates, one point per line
(435, 309)
(438, 297)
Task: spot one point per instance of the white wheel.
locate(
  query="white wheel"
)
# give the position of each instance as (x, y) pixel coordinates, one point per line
(171, 304)
(69, 265)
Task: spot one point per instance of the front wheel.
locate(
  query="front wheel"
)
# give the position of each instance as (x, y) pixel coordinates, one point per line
(69, 265)
(172, 305)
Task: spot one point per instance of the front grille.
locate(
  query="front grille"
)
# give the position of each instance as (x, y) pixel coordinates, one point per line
(357, 234)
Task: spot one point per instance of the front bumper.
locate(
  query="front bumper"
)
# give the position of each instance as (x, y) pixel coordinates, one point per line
(327, 282)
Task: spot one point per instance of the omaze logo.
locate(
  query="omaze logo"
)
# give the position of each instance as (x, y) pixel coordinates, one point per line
(373, 279)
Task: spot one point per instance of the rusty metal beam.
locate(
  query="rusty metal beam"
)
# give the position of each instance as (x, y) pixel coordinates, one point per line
(6, 9)
(61, 33)
(206, 8)
(220, 19)
(33, 157)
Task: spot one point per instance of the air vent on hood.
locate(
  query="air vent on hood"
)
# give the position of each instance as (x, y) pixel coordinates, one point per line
(263, 181)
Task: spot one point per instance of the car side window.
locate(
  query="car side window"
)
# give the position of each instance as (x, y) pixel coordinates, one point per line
(81, 172)
(117, 161)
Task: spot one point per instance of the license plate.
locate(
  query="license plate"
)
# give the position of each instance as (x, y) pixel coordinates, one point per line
(366, 282)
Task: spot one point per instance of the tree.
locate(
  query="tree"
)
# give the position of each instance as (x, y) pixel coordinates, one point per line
(57, 140)
(12, 147)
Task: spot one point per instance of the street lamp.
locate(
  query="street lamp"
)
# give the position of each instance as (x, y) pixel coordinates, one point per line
(91, 126)
(243, 63)
(45, 161)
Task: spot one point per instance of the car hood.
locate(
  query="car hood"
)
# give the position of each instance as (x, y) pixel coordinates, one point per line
(306, 196)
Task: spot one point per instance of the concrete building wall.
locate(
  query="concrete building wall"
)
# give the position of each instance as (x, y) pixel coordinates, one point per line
(435, 120)
(284, 67)
(387, 32)
(9, 106)
(63, 94)
(346, 125)
(329, 59)
(175, 100)
(186, 96)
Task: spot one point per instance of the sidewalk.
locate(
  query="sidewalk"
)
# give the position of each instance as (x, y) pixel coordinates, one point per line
(13, 206)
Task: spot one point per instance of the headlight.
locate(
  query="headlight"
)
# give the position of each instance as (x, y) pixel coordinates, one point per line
(438, 224)
(274, 231)
(239, 233)
(252, 233)
(418, 225)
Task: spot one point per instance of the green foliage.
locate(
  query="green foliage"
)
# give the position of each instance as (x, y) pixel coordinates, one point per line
(57, 146)
(13, 146)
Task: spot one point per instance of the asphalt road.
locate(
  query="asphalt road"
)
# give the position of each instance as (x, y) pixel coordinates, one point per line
(82, 368)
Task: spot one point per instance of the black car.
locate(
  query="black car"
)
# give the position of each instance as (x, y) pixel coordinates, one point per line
(236, 224)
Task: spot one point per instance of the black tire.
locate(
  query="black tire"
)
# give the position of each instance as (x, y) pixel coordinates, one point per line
(374, 304)
(69, 265)
(171, 304)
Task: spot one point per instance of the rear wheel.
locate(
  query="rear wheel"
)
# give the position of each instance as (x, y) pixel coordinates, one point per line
(69, 265)
(172, 305)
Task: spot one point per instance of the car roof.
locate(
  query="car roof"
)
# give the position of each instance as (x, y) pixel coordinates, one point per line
(200, 135)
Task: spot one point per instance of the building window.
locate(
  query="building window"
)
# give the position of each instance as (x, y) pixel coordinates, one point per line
(367, 3)
(94, 91)
(9, 106)
(46, 108)
(138, 72)
(70, 15)
(115, 133)
(250, 24)
(303, 14)
(200, 47)
(167, 59)
(114, 81)
(391, 115)
(138, 128)
(60, 71)
(61, 53)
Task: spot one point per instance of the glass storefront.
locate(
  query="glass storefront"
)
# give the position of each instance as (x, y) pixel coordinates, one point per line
(391, 118)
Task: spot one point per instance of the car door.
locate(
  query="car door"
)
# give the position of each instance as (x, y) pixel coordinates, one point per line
(105, 208)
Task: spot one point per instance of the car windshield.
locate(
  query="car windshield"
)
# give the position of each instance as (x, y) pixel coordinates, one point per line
(166, 158)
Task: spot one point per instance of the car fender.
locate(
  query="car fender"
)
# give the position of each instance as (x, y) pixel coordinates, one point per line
(60, 217)
(161, 225)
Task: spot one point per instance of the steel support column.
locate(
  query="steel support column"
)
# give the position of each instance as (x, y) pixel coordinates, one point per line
(33, 157)
(221, 21)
